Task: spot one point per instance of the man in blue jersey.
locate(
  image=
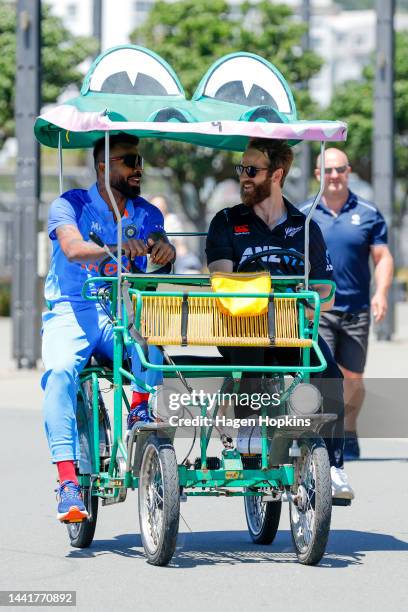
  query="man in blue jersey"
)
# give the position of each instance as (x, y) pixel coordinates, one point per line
(354, 231)
(265, 219)
(74, 328)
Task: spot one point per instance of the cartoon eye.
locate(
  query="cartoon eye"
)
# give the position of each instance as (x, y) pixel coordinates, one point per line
(248, 81)
(133, 71)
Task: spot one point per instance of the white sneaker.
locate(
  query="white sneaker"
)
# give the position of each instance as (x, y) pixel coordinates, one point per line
(249, 440)
(340, 485)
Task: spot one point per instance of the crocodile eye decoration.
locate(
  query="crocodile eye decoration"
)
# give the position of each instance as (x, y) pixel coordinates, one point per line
(132, 71)
(247, 80)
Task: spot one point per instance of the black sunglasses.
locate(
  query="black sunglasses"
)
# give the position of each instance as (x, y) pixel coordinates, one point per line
(338, 169)
(251, 171)
(131, 160)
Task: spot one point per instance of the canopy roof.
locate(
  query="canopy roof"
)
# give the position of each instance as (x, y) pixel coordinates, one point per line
(131, 89)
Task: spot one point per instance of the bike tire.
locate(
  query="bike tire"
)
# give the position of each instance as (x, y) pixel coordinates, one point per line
(310, 523)
(81, 534)
(159, 500)
(262, 519)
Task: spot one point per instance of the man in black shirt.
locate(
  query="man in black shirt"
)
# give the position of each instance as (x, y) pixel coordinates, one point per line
(265, 220)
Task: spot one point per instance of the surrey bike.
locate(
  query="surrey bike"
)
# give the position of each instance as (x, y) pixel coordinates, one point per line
(289, 462)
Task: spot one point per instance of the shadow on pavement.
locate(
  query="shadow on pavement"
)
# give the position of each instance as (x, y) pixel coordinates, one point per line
(125, 545)
(345, 548)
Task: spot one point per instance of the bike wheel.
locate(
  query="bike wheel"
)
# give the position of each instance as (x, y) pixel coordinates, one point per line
(159, 500)
(262, 519)
(82, 534)
(310, 511)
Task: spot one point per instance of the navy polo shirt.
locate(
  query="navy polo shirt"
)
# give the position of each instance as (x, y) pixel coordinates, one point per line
(349, 236)
(237, 233)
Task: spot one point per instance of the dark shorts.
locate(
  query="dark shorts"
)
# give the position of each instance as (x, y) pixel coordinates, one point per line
(348, 340)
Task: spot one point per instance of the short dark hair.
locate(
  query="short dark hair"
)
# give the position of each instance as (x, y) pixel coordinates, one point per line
(278, 152)
(121, 138)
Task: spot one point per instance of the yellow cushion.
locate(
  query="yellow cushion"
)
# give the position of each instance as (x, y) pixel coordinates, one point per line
(242, 282)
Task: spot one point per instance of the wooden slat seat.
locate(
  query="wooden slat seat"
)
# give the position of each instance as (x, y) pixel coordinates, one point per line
(161, 324)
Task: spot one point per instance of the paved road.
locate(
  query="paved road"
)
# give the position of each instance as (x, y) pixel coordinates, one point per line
(215, 565)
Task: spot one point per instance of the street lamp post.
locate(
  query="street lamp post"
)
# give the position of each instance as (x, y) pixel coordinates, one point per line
(305, 147)
(97, 22)
(383, 137)
(25, 301)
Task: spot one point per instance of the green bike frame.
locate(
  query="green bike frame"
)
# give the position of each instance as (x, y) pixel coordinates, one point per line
(231, 478)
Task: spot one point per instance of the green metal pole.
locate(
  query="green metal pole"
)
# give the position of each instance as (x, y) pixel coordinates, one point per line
(264, 430)
(95, 420)
(117, 393)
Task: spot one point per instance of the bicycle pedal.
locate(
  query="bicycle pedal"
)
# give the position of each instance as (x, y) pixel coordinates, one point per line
(213, 463)
(338, 501)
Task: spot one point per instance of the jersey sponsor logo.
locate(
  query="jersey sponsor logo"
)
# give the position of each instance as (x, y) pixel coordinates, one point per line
(109, 268)
(95, 227)
(291, 231)
(241, 229)
(272, 258)
(355, 219)
(92, 267)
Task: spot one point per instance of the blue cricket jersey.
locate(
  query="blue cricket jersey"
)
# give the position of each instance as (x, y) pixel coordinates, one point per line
(348, 237)
(89, 212)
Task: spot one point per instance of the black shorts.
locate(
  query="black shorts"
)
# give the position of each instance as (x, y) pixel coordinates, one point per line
(348, 340)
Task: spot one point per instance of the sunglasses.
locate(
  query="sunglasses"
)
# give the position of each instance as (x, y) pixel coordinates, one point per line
(251, 171)
(131, 160)
(338, 169)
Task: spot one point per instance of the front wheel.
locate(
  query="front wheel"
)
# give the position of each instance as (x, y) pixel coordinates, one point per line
(82, 534)
(262, 518)
(311, 504)
(159, 500)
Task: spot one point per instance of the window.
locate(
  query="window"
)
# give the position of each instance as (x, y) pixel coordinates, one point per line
(72, 10)
(143, 6)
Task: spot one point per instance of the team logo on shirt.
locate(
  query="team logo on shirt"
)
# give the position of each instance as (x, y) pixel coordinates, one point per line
(355, 219)
(329, 266)
(291, 231)
(130, 231)
(239, 230)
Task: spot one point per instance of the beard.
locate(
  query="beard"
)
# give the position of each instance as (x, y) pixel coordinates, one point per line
(121, 184)
(258, 194)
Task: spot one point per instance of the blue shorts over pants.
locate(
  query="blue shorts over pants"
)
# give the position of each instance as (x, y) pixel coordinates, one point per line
(72, 332)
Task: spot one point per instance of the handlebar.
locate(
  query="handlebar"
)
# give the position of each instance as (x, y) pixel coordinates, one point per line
(153, 280)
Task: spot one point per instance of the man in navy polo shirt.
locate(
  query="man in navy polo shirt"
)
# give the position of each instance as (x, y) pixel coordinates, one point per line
(265, 220)
(354, 231)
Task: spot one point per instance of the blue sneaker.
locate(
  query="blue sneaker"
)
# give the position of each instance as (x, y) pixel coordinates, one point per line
(71, 508)
(351, 447)
(139, 413)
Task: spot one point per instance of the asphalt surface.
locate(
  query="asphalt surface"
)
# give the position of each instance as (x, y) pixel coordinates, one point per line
(216, 565)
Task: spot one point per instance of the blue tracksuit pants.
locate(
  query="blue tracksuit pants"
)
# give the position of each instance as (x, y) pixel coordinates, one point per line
(72, 332)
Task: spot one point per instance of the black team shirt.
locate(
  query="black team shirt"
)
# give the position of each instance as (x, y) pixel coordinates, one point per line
(237, 233)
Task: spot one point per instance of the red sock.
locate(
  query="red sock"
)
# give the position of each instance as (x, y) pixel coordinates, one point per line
(138, 398)
(66, 471)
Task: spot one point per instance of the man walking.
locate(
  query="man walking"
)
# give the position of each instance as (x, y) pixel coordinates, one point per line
(355, 232)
